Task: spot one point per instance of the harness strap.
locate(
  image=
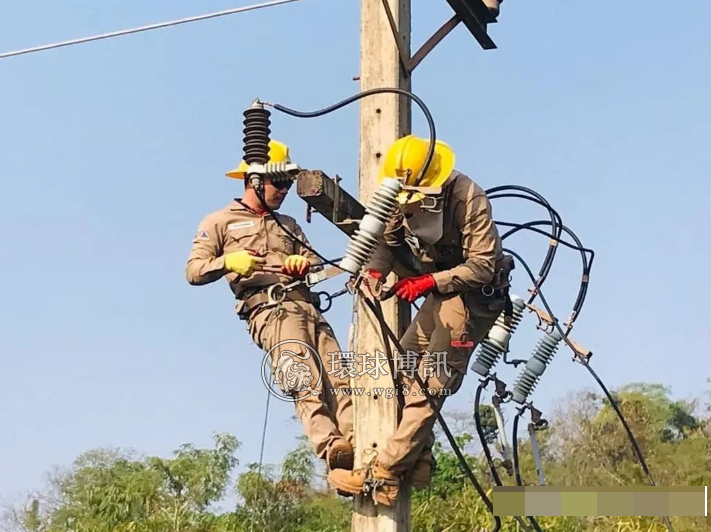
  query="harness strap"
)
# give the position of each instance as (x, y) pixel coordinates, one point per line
(258, 299)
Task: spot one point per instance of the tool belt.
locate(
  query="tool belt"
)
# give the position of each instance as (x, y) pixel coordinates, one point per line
(499, 285)
(252, 300)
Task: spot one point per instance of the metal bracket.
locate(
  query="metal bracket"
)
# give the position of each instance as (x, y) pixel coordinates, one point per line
(501, 393)
(336, 198)
(543, 317)
(404, 59)
(475, 15)
(537, 418)
(580, 352)
(536, 455)
(433, 41)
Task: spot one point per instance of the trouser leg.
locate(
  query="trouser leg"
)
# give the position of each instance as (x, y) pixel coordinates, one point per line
(337, 379)
(441, 320)
(298, 339)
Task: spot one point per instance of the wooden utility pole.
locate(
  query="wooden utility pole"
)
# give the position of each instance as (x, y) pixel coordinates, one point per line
(386, 62)
(385, 41)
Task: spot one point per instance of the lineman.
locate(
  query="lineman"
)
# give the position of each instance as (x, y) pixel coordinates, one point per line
(449, 228)
(243, 243)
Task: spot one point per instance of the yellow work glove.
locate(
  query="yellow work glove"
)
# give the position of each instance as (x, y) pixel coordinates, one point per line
(296, 265)
(243, 262)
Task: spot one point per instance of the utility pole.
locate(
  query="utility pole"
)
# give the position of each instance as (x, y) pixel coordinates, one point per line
(386, 61)
(385, 42)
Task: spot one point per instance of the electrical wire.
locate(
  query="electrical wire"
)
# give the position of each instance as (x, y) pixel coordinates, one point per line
(586, 265)
(556, 225)
(370, 92)
(335, 107)
(480, 431)
(585, 362)
(530, 226)
(144, 28)
(289, 233)
(516, 467)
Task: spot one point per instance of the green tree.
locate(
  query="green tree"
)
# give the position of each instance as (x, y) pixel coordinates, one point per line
(112, 491)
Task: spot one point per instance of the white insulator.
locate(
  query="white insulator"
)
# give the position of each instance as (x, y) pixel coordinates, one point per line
(365, 240)
(536, 365)
(497, 341)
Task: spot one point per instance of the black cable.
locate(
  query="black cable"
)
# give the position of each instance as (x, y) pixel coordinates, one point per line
(289, 233)
(356, 97)
(335, 107)
(530, 226)
(533, 196)
(585, 362)
(487, 451)
(556, 225)
(587, 266)
(480, 432)
(517, 469)
(376, 309)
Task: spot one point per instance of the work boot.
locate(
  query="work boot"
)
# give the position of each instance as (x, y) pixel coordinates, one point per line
(353, 483)
(422, 472)
(340, 455)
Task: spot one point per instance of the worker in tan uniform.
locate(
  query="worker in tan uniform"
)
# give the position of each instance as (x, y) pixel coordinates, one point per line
(244, 244)
(448, 226)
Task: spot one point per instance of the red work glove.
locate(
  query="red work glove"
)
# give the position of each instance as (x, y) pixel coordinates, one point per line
(413, 287)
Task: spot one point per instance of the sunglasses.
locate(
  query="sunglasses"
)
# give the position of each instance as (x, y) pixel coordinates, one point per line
(282, 184)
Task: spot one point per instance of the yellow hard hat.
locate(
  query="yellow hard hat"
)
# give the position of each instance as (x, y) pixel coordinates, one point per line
(278, 153)
(406, 157)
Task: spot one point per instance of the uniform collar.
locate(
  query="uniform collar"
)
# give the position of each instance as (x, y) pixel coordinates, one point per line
(237, 205)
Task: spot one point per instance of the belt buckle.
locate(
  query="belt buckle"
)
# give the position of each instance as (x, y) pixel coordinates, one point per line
(279, 297)
(487, 290)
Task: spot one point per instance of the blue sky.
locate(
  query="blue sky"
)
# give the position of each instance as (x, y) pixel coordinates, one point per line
(111, 153)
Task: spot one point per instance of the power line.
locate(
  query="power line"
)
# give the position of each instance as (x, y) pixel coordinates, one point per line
(145, 28)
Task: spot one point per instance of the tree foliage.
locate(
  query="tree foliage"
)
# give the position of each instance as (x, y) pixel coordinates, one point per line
(108, 490)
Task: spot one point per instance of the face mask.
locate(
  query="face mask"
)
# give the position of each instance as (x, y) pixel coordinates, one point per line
(428, 225)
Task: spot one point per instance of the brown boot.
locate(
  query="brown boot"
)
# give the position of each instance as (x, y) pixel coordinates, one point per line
(340, 455)
(353, 483)
(422, 472)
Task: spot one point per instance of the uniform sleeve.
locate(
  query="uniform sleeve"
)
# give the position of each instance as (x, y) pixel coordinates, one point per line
(480, 240)
(206, 263)
(300, 249)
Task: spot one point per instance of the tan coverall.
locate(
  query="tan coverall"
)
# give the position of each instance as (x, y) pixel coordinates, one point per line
(325, 417)
(466, 257)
